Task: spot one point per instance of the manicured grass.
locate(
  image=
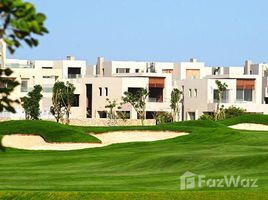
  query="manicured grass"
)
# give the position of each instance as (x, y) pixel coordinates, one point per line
(144, 170)
(50, 131)
(212, 195)
(249, 118)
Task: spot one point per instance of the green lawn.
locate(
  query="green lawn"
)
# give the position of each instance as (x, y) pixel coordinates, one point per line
(144, 170)
(50, 131)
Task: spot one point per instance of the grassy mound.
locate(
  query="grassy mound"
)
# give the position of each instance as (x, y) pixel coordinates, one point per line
(144, 170)
(250, 118)
(220, 195)
(50, 131)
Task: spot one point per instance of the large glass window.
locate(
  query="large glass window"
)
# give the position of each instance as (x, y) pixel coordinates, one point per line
(247, 95)
(225, 96)
(244, 95)
(75, 102)
(191, 115)
(239, 95)
(74, 72)
(122, 70)
(24, 85)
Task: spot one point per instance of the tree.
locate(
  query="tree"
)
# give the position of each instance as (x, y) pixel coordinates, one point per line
(174, 102)
(19, 22)
(221, 87)
(57, 101)
(68, 100)
(138, 101)
(30, 103)
(62, 100)
(7, 86)
(234, 111)
(163, 117)
(111, 105)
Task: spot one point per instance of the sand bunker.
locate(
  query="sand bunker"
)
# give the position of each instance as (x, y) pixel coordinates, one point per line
(250, 126)
(35, 142)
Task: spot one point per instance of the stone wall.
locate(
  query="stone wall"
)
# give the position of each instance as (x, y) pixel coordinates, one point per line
(103, 122)
(107, 122)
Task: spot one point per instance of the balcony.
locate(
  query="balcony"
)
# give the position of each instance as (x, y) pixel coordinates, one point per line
(20, 66)
(74, 76)
(155, 100)
(48, 89)
(24, 89)
(227, 101)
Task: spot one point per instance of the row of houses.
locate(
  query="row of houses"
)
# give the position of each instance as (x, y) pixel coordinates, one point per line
(247, 85)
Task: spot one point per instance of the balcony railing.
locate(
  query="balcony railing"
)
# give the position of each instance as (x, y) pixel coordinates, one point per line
(17, 65)
(24, 89)
(231, 101)
(47, 89)
(155, 100)
(71, 76)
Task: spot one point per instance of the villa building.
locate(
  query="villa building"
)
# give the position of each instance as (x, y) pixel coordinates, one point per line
(247, 85)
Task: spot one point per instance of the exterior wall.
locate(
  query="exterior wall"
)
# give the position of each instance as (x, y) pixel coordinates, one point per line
(181, 68)
(33, 72)
(142, 67)
(104, 75)
(64, 64)
(107, 122)
(116, 87)
(113, 85)
(194, 103)
(90, 70)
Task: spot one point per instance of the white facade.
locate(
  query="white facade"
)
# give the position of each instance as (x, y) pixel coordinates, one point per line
(247, 85)
(247, 89)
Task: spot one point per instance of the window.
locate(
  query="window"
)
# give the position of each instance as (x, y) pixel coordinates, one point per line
(191, 115)
(190, 92)
(239, 95)
(168, 71)
(3, 83)
(100, 91)
(137, 70)
(24, 85)
(155, 94)
(195, 92)
(102, 114)
(122, 70)
(247, 95)
(225, 96)
(74, 72)
(48, 76)
(106, 91)
(123, 114)
(134, 91)
(46, 67)
(244, 95)
(150, 114)
(75, 102)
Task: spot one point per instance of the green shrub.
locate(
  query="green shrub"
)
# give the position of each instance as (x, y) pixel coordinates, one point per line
(206, 117)
(163, 117)
(225, 113)
(233, 111)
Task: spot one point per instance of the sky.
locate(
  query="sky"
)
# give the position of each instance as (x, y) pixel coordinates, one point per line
(217, 32)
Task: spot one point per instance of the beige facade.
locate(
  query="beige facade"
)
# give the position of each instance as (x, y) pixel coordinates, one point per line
(247, 86)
